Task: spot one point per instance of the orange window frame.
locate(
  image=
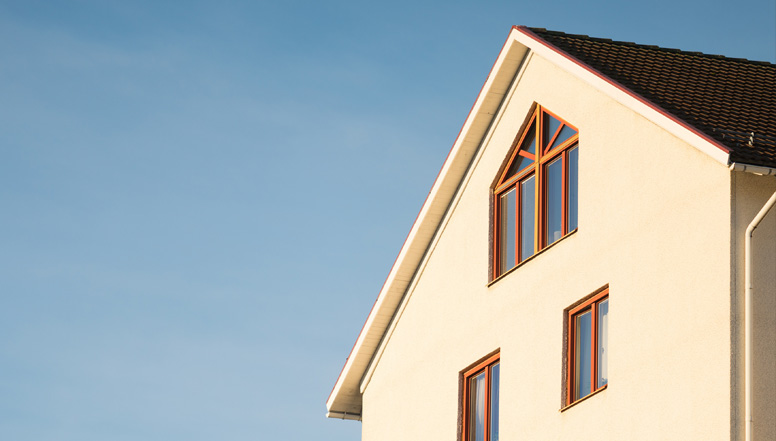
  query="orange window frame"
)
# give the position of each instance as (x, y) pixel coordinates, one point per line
(592, 304)
(542, 158)
(485, 366)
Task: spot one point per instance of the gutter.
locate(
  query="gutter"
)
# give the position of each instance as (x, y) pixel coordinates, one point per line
(344, 415)
(762, 171)
(756, 169)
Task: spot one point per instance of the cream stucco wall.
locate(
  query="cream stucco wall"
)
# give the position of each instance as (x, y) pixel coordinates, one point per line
(750, 194)
(654, 224)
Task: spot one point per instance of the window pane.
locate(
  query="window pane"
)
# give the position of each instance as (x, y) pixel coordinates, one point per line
(603, 349)
(550, 126)
(494, 383)
(521, 162)
(477, 390)
(582, 355)
(573, 156)
(529, 142)
(507, 230)
(554, 201)
(565, 133)
(527, 204)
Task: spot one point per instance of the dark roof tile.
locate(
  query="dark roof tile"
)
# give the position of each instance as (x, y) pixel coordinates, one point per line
(731, 100)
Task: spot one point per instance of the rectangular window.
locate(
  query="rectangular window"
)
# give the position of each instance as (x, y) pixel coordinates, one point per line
(588, 330)
(481, 401)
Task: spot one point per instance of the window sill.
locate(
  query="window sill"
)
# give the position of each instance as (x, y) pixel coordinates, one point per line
(538, 253)
(586, 397)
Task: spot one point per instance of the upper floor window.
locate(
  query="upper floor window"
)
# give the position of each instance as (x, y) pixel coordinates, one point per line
(480, 400)
(535, 197)
(588, 350)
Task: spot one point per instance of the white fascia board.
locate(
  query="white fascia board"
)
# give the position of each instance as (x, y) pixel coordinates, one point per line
(454, 202)
(347, 391)
(624, 96)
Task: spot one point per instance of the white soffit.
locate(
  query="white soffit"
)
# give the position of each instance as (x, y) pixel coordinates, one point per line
(345, 398)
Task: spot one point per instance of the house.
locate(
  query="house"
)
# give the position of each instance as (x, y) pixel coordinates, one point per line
(591, 176)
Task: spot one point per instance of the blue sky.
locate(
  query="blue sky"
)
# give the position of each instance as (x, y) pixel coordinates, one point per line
(201, 200)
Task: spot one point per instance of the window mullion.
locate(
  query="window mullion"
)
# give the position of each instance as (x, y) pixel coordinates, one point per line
(539, 187)
(570, 363)
(466, 409)
(497, 235)
(502, 243)
(593, 346)
(565, 192)
(486, 409)
(518, 222)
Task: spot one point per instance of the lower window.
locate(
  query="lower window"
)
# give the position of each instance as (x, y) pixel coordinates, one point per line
(588, 351)
(480, 401)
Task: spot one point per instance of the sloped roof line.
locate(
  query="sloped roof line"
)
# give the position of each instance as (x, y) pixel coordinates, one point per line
(731, 101)
(530, 32)
(440, 175)
(537, 30)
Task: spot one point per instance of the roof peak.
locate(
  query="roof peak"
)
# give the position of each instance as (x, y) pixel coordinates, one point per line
(542, 31)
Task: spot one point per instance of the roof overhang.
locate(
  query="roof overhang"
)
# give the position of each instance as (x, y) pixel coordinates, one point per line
(755, 169)
(345, 398)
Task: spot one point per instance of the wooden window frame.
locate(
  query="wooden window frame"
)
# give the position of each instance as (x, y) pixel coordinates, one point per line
(590, 304)
(482, 366)
(541, 160)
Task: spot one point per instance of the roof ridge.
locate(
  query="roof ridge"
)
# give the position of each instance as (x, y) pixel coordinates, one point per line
(540, 31)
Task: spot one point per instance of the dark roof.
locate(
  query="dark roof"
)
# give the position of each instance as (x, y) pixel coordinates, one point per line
(728, 99)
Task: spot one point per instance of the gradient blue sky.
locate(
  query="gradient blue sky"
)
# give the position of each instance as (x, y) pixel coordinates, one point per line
(201, 200)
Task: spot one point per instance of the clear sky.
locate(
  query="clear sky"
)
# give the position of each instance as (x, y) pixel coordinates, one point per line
(199, 201)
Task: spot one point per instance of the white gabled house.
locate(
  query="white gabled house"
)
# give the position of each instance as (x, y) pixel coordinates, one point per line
(589, 173)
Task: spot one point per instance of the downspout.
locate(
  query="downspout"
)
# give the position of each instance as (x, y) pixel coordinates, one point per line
(749, 290)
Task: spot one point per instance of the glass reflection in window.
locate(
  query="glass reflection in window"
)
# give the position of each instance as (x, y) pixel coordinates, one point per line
(494, 384)
(573, 158)
(477, 417)
(554, 225)
(565, 134)
(527, 204)
(603, 335)
(507, 233)
(582, 357)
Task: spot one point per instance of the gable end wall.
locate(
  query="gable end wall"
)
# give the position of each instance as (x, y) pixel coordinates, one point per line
(654, 216)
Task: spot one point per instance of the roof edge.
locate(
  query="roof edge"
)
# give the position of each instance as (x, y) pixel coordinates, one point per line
(438, 190)
(755, 169)
(652, 46)
(673, 124)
